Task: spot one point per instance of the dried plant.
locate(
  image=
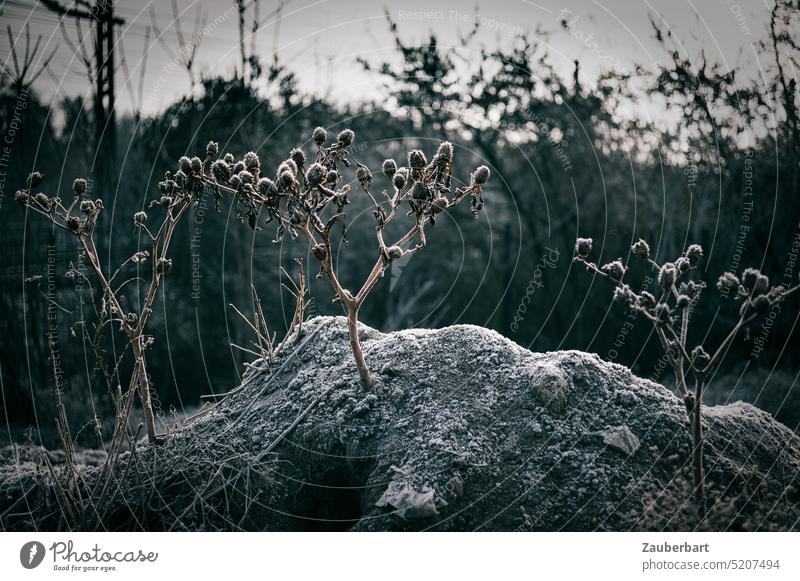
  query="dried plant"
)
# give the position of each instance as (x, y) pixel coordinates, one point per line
(306, 200)
(670, 313)
(79, 217)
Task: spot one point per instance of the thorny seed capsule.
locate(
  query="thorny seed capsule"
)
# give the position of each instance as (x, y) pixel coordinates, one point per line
(212, 149)
(364, 176)
(42, 199)
(139, 218)
(647, 300)
(761, 285)
(87, 206)
(315, 175)
(79, 186)
(682, 264)
(419, 191)
(641, 249)
(623, 295)
(228, 158)
(332, 177)
(251, 161)
(583, 247)
(236, 182)
(319, 136)
(197, 164)
(417, 159)
(614, 269)
(185, 164)
(35, 179)
(298, 156)
(399, 180)
(445, 152)
(239, 166)
(727, 281)
(389, 168)
(662, 312)
(700, 358)
(74, 224)
(481, 175)
(682, 301)
(694, 253)
(666, 276)
(749, 278)
(266, 186)
(346, 137)
(221, 171)
(21, 197)
(246, 177)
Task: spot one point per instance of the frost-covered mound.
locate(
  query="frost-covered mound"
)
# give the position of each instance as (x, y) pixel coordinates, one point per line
(464, 431)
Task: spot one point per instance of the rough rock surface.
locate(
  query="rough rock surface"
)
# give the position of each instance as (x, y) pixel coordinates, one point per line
(466, 430)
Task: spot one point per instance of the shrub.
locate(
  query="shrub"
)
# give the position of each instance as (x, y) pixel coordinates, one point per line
(306, 200)
(669, 311)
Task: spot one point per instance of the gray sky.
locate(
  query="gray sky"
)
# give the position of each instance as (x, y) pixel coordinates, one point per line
(320, 39)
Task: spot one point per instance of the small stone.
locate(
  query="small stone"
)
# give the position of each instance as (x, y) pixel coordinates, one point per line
(622, 439)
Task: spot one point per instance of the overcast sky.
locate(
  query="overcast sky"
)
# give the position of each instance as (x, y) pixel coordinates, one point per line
(321, 39)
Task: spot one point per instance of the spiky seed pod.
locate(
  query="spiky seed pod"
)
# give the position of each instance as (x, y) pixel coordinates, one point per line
(165, 201)
(690, 288)
(319, 136)
(623, 295)
(246, 177)
(662, 312)
(761, 304)
(21, 197)
(417, 159)
(185, 164)
(239, 166)
(389, 168)
(615, 269)
(480, 176)
(682, 264)
(346, 137)
(139, 218)
(364, 176)
(727, 282)
(647, 300)
(320, 252)
(197, 164)
(315, 175)
(79, 186)
(749, 278)
(74, 224)
(399, 180)
(236, 182)
(419, 191)
(682, 301)
(212, 149)
(221, 171)
(164, 265)
(266, 186)
(87, 206)
(287, 179)
(667, 276)
(394, 252)
(332, 177)
(694, 253)
(35, 179)
(228, 158)
(444, 154)
(42, 199)
(251, 161)
(700, 359)
(298, 156)
(641, 249)
(761, 285)
(583, 247)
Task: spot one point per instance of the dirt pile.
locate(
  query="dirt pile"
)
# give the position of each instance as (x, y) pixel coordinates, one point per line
(465, 431)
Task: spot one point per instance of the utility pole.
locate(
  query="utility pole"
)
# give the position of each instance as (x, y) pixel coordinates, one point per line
(100, 14)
